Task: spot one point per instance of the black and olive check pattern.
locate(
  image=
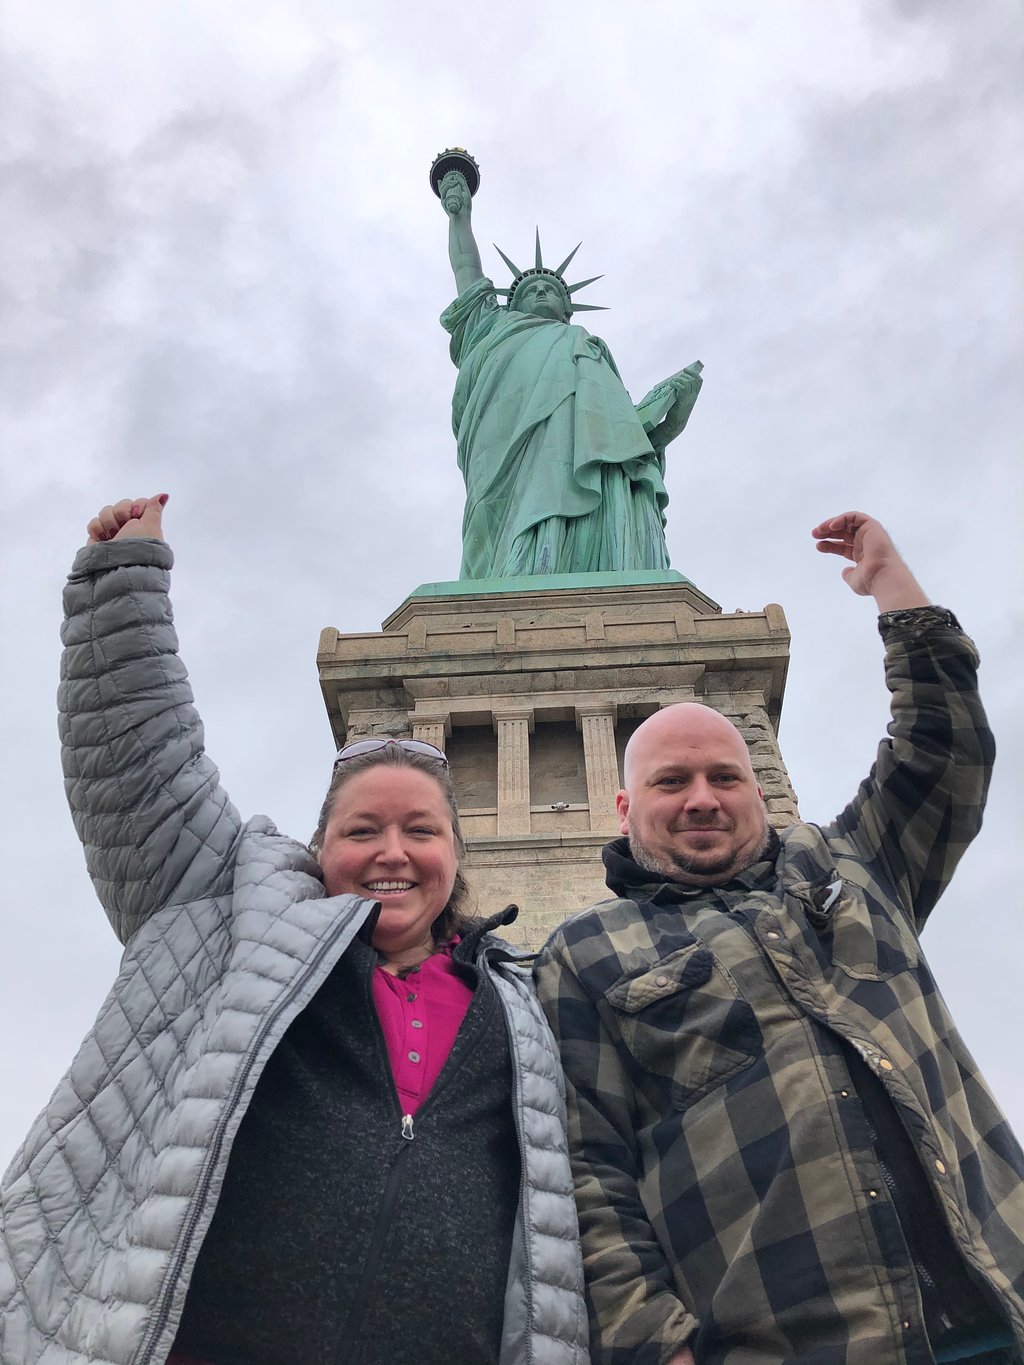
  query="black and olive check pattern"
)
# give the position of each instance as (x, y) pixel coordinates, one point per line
(729, 1192)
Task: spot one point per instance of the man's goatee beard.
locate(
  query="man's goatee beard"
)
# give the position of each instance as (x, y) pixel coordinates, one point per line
(682, 867)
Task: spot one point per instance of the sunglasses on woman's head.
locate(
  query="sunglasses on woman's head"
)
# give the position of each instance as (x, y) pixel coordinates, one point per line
(411, 746)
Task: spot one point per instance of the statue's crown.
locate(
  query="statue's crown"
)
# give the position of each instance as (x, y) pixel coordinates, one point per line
(539, 268)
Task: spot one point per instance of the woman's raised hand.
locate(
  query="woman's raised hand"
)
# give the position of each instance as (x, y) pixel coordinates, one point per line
(127, 518)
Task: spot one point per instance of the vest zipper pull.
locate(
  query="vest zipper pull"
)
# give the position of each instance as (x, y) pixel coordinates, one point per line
(407, 1127)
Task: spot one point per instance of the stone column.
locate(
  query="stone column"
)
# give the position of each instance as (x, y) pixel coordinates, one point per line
(597, 724)
(766, 756)
(513, 725)
(432, 728)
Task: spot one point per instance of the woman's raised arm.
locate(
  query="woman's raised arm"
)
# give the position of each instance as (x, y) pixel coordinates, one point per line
(147, 803)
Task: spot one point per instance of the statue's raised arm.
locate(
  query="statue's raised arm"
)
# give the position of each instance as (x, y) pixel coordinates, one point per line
(455, 177)
(463, 251)
(563, 474)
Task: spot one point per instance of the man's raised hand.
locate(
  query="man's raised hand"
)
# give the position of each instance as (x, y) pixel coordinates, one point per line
(877, 568)
(127, 518)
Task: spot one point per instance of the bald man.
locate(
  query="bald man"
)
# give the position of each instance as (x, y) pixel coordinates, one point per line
(783, 1151)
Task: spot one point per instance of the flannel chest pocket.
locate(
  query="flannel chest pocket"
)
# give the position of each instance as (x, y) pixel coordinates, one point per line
(859, 935)
(684, 1022)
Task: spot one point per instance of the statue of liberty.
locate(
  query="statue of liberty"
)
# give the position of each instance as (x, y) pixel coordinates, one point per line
(563, 474)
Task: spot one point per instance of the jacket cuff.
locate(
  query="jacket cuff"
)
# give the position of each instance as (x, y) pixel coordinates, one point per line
(689, 1331)
(916, 623)
(119, 554)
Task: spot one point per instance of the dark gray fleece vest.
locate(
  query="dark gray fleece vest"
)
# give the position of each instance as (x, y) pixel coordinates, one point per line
(335, 1238)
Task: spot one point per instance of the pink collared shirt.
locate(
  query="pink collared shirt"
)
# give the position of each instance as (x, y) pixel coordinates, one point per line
(420, 1017)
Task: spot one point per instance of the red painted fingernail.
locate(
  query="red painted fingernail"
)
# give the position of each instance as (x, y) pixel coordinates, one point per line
(162, 499)
(135, 509)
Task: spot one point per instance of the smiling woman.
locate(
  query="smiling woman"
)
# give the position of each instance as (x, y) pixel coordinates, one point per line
(296, 1132)
(389, 830)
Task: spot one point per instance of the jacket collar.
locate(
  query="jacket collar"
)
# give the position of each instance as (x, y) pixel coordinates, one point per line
(472, 940)
(626, 878)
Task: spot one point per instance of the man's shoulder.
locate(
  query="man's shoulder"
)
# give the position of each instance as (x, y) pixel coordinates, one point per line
(596, 946)
(594, 922)
(804, 840)
(623, 924)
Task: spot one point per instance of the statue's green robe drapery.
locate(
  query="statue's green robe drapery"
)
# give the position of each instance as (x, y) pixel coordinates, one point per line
(560, 475)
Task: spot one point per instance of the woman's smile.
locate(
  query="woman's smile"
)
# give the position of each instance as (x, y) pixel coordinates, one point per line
(390, 839)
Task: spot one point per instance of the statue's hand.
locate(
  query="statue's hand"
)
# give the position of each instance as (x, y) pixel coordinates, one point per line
(676, 386)
(686, 381)
(455, 195)
(665, 410)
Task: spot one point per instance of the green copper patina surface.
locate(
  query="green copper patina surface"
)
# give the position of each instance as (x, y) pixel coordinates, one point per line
(563, 473)
(483, 587)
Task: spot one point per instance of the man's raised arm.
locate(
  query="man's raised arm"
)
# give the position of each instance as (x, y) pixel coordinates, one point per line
(922, 802)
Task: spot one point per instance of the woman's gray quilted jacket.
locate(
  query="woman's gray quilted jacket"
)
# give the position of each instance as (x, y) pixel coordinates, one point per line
(229, 933)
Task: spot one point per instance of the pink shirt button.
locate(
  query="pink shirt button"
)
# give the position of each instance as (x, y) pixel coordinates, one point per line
(420, 1039)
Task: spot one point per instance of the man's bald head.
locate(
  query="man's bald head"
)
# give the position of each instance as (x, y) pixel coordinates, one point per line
(684, 723)
(691, 804)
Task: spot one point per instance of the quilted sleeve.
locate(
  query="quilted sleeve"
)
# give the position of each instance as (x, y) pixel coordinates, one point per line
(147, 803)
(922, 803)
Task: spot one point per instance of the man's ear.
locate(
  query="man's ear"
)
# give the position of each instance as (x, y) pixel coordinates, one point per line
(622, 807)
(760, 792)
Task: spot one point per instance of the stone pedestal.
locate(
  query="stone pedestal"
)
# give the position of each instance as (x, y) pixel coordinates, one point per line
(533, 687)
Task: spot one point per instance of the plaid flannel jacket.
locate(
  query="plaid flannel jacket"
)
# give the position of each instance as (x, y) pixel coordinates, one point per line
(729, 1193)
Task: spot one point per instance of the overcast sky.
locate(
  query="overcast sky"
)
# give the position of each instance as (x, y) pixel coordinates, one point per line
(221, 268)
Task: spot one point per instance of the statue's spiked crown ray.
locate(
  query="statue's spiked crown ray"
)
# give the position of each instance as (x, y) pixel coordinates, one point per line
(539, 268)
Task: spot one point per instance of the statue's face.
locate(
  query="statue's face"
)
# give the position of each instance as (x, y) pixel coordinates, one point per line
(542, 297)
